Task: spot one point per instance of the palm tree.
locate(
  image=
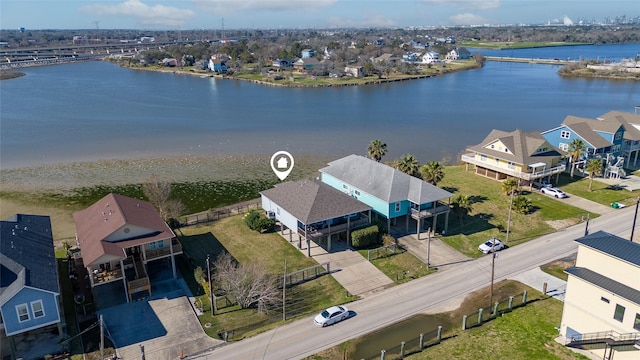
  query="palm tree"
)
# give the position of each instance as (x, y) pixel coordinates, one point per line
(594, 168)
(462, 205)
(577, 147)
(432, 172)
(408, 164)
(377, 150)
(510, 185)
(522, 205)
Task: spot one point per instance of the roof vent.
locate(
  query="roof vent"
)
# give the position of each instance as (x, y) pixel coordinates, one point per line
(103, 213)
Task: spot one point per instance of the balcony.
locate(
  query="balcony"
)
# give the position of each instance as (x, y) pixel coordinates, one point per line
(609, 338)
(104, 276)
(334, 229)
(440, 208)
(529, 176)
(163, 252)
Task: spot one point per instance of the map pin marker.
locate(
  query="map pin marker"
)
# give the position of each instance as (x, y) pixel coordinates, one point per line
(282, 164)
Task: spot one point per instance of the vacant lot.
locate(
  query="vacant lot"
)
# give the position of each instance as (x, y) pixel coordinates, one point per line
(490, 213)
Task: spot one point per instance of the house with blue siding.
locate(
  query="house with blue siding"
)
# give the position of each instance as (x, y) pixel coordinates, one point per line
(631, 137)
(308, 53)
(29, 288)
(392, 194)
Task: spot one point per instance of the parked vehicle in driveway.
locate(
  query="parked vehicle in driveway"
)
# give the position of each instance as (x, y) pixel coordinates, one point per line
(555, 192)
(491, 245)
(331, 316)
(542, 184)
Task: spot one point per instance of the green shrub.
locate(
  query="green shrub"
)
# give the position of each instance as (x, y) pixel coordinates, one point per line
(255, 221)
(366, 237)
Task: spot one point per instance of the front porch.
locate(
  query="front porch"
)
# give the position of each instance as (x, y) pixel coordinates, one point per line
(489, 170)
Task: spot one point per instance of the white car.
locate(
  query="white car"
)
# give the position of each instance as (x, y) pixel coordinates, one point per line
(331, 316)
(555, 192)
(491, 246)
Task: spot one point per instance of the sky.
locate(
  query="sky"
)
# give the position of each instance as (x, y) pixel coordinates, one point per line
(275, 14)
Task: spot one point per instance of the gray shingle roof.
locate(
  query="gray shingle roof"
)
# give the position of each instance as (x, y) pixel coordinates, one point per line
(313, 201)
(612, 245)
(606, 283)
(611, 125)
(27, 245)
(585, 131)
(522, 145)
(628, 120)
(383, 181)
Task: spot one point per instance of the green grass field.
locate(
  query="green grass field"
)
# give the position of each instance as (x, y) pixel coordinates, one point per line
(490, 213)
(233, 236)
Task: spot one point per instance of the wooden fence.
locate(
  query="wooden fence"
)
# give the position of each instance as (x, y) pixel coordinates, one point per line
(220, 213)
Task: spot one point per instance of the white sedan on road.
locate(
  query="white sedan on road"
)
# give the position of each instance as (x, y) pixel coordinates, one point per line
(491, 245)
(331, 316)
(555, 192)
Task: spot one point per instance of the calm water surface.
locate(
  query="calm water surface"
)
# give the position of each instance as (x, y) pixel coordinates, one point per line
(97, 110)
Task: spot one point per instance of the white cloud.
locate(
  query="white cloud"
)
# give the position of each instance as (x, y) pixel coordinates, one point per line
(467, 19)
(467, 4)
(229, 6)
(143, 13)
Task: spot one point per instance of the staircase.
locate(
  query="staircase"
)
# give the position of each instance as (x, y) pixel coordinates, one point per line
(611, 340)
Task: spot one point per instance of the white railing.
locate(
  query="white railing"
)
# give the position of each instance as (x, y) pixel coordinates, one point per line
(470, 158)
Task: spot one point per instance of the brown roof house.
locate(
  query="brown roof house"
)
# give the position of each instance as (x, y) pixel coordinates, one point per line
(118, 237)
(314, 211)
(525, 156)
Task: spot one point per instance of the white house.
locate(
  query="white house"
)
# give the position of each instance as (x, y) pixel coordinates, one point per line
(602, 304)
(430, 57)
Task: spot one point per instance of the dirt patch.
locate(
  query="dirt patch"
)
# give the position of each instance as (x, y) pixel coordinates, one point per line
(561, 224)
(62, 223)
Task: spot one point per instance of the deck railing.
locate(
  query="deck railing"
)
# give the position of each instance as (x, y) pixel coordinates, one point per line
(106, 276)
(470, 158)
(440, 208)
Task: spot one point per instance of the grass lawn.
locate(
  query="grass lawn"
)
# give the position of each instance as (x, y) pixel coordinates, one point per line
(490, 211)
(399, 267)
(602, 193)
(233, 236)
(527, 332)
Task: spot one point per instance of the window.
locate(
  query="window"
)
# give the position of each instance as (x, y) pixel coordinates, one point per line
(511, 165)
(160, 244)
(492, 146)
(23, 312)
(618, 136)
(397, 207)
(344, 186)
(619, 313)
(37, 309)
(152, 245)
(357, 192)
(615, 149)
(636, 322)
(483, 157)
(604, 299)
(565, 134)
(563, 146)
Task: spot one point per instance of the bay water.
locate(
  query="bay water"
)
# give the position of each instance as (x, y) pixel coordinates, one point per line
(97, 110)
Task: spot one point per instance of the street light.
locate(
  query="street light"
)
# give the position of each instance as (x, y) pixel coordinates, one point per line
(493, 265)
(509, 219)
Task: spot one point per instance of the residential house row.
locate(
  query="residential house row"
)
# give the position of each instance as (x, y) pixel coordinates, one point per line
(613, 137)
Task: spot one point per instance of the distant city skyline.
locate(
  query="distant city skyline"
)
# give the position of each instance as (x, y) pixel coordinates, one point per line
(273, 14)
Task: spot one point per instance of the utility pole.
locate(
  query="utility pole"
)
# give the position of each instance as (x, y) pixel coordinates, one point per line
(101, 337)
(586, 226)
(213, 298)
(284, 289)
(509, 219)
(493, 265)
(428, 247)
(635, 217)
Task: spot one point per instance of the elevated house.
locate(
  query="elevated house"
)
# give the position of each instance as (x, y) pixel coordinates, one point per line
(392, 194)
(29, 287)
(524, 156)
(599, 136)
(118, 237)
(601, 310)
(410, 57)
(314, 211)
(630, 149)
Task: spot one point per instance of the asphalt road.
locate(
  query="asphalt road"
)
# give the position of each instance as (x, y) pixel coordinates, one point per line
(434, 293)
